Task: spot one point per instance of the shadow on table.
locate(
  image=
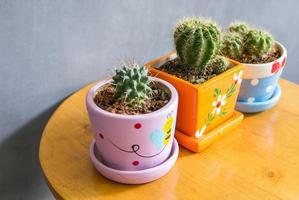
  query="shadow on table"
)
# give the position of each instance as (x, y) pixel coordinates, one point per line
(185, 152)
(249, 115)
(119, 188)
(21, 176)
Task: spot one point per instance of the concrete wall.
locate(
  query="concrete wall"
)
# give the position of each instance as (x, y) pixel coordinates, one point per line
(49, 49)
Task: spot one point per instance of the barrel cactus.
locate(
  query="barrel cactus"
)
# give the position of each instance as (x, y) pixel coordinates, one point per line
(197, 42)
(131, 84)
(232, 45)
(258, 42)
(220, 65)
(239, 28)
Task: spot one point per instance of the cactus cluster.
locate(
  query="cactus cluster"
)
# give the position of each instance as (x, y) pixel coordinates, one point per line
(197, 42)
(131, 84)
(240, 40)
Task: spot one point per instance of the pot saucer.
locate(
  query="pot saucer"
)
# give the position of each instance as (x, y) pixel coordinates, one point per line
(197, 145)
(134, 177)
(254, 107)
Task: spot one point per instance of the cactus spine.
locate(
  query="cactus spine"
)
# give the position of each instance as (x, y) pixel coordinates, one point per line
(238, 27)
(197, 42)
(258, 42)
(131, 84)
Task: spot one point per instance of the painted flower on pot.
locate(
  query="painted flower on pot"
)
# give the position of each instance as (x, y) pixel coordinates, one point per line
(219, 101)
(238, 77)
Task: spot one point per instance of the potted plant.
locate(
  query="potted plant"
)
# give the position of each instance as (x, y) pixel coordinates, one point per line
(133, 119)
(207, 84)
(263, 59)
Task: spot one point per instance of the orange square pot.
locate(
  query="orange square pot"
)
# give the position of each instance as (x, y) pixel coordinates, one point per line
(205, 110)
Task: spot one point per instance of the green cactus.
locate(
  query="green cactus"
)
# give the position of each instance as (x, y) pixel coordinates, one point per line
(131, 84)
(239, 28)
(258, 42)
(219, 65)
(232, 45)
(197, 42)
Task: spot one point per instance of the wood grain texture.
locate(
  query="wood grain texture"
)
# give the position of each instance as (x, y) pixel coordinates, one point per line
(259, 160)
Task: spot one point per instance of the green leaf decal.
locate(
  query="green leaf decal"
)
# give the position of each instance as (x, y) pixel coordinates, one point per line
(222, 113)
(217, 92)
(231, 90)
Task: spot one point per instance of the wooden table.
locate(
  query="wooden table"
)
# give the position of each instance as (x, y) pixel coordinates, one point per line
(259, 160)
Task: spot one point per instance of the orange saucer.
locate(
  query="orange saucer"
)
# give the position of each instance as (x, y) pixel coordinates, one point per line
(197, 145)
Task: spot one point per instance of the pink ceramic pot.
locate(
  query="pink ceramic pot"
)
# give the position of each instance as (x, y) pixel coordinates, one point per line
(133, 142)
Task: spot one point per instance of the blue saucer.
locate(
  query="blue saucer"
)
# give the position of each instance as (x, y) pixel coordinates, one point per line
(248, 107)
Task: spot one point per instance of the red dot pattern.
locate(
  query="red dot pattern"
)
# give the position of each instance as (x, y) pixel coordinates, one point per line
(135, 163)
(137, 125)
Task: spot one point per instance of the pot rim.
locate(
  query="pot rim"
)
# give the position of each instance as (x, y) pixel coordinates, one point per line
(159, 61)
(284, 54)
(90, 94)
(263, 70)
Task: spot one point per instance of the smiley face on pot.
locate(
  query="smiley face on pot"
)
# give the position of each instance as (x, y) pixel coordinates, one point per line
(140, 145)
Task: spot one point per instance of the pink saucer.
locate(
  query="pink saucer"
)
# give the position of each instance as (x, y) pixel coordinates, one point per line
(134, 177)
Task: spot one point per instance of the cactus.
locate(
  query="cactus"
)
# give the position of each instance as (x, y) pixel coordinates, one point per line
(239, 28)
(232, 45)
(219, 65)
(131, 84)
(197, 42)
(258, 42)
(241, 39)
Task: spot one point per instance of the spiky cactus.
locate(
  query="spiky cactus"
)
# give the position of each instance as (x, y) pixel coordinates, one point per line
(239, 28)
(197, 42)
(219, 65)
(232, 45)
(243, 40)
(258, 42)
(131, 84)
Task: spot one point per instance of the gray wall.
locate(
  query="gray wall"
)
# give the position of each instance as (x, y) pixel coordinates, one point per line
(49, 49)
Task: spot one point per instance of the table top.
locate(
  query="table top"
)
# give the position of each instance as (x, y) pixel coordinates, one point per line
(258, 160)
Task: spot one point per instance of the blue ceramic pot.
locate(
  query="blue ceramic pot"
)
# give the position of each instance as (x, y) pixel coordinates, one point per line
(247, 107)
(260, 80)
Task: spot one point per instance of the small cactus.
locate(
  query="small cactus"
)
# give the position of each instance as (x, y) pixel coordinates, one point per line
(131, 84)
(197, 42)
(258, 42)
(242, 40)
(219, 65)
(239, 28)
(232, 45)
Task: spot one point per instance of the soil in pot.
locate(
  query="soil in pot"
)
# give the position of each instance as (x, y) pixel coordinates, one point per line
(252, 59)
(158, 98)
(188, 73)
